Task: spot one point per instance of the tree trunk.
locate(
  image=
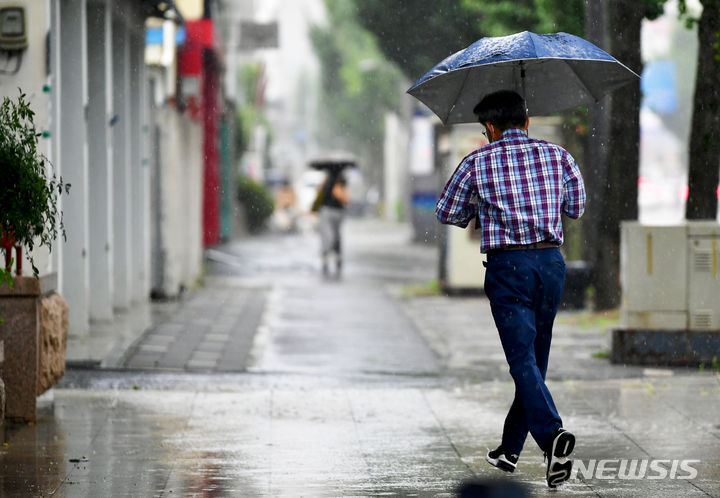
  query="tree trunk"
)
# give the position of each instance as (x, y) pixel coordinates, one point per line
(704, 148)
(623, 155)
(595, 170)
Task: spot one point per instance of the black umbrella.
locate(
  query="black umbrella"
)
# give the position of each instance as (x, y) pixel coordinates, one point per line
(335, 162)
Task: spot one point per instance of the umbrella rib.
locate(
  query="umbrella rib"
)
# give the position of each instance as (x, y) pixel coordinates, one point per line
(522, 69)
(457, 95)
(582, 83)
(532, 40)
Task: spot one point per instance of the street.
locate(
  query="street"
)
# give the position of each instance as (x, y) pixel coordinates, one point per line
(270, 380)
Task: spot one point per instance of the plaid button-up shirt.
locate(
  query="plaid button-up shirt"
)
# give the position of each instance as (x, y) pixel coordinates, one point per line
(517, 187)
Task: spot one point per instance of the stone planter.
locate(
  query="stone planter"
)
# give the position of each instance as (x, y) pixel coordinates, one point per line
(34, 339)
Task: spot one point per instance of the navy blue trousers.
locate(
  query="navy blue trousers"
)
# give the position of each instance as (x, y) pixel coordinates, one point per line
(524, 288)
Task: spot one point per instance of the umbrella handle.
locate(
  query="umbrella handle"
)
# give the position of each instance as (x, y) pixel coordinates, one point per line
(522, 80)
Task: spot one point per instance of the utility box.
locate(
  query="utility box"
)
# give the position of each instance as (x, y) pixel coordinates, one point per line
(653, 276)
(670, 277)
(461, 262)
(703, 292)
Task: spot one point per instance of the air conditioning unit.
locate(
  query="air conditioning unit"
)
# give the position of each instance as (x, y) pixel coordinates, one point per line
(670, 276)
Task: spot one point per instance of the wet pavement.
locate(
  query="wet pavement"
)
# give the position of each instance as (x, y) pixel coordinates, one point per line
(273, 381)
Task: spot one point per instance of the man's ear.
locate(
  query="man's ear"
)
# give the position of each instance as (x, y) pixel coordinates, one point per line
(527, 123)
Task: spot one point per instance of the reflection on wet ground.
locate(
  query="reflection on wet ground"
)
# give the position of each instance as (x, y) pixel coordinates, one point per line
(275, 435)
(347, 388)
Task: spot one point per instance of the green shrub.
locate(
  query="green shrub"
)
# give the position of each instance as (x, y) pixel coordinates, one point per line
(258, 203)
(29, 189)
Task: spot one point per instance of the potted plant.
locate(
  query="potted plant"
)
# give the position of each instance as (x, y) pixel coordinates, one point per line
(34, 327)
(29, 189)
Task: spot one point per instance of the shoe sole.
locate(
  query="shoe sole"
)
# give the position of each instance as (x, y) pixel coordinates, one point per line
(559, 467)
(559, 472)
(500, 463)
(563, 445)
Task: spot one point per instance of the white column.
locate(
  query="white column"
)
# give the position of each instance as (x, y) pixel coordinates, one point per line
(146, 172)
(74, 160)
(138, 170)
(100, 153)
(121, 127)
(55, 135)
(191, 188)
(157, 258)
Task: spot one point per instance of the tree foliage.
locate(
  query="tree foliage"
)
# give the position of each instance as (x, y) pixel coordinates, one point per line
(249, 111)
(257, 201)
(540, 16)
(417, 34)
(358, 83)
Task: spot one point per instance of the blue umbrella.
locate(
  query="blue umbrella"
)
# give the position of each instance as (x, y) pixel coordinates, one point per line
(553, 72)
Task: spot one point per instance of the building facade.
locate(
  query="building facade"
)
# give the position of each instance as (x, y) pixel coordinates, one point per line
(102, 77)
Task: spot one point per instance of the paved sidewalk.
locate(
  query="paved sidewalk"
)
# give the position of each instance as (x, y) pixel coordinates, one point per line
(212, 330)
(280, 435)
(271, 381)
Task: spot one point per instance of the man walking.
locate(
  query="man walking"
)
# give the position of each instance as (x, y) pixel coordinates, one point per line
(517, 188)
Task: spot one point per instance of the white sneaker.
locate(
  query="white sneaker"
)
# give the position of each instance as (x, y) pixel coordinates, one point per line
(559, 467)
(502, 459)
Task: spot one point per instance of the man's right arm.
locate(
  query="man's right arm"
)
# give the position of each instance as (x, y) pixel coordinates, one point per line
(573, 189)
(456, 206)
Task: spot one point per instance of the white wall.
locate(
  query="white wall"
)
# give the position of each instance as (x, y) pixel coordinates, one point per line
(33, 79)
(190, 225)
(93, 99)
(180, 190)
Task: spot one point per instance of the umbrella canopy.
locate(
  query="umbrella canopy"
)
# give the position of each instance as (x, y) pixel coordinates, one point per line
(334, 162)
(553, 72)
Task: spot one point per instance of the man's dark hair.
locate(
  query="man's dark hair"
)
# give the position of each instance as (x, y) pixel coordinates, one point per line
(504, 109)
